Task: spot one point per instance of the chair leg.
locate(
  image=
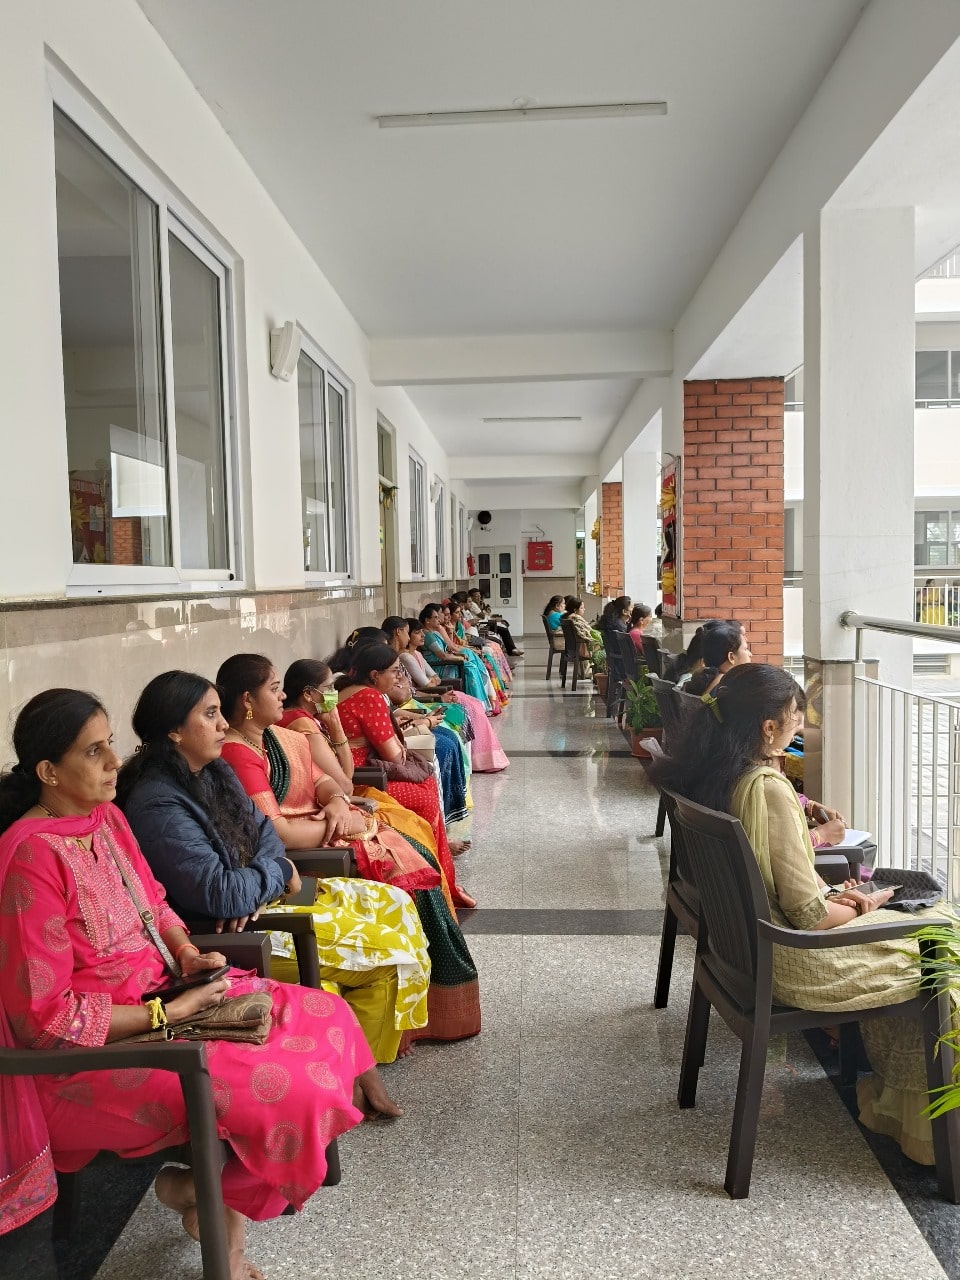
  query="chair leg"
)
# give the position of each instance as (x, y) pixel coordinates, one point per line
(67, 1206)
(746, 1113)
(333, 1165)
(576, 672)
(207, 1168)
(661, 818)
(668, 945)
(563, 671)
(694, 1043)
(849, 1052)
(549, 660)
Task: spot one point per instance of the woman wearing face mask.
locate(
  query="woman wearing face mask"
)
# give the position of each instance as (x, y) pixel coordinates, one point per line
(276, 770)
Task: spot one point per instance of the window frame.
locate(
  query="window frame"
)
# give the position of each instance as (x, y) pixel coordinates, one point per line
(175, 218)
(416, 485)
(439, 505)
(332, 373)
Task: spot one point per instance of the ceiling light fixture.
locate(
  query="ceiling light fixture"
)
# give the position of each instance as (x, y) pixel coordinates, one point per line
(516, 115)
(550, 417)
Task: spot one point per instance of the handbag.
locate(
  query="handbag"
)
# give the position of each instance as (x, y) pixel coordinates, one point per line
(246, 1018)
(916, 889)
(413, 769)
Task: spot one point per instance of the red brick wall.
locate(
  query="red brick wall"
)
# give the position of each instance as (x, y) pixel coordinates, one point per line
(611, 539)
(732, 507)
(126, 540)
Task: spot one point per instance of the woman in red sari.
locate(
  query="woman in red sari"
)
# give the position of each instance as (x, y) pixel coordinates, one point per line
(365, 715)
(78, 960)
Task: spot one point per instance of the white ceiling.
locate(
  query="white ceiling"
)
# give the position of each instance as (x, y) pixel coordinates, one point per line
(535, 228)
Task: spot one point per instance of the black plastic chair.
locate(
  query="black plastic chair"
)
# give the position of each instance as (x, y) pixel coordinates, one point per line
(630, 657)
(551, 647)
(570, 659)
(652, 655)
(189, 1060)
(734, 974)
(615, 672)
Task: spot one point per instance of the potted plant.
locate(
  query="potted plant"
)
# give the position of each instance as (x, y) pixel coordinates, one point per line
(641, 714)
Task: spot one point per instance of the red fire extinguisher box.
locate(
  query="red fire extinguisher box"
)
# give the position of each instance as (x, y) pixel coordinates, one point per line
(539, 556)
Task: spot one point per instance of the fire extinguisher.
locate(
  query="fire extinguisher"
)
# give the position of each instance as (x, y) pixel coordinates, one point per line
(471, 566)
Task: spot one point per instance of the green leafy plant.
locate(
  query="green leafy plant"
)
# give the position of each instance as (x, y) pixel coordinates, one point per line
(942, 969)
(640, 706)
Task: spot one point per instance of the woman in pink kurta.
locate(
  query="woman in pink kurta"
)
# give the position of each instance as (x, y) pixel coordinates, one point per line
(76, 960)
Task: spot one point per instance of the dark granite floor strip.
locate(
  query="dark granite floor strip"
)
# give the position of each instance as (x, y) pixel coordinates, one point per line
(554, 923)
(556, 695)
(599, 750)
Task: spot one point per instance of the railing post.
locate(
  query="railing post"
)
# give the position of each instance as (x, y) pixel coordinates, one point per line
(953, 804)
(862, 810)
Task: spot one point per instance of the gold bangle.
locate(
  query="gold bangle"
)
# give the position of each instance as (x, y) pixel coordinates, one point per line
(341, 743)
(158, 1014)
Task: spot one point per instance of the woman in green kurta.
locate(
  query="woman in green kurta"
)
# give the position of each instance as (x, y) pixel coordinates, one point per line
(728, 761)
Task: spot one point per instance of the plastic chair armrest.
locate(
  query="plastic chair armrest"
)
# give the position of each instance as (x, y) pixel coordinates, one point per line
(832, 867)
(371, 775)
(823, 939)
(243, 951)
(324, 862)
(185, 1057)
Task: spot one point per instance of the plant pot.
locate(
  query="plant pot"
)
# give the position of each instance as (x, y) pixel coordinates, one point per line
(635, 739)
(600, 680)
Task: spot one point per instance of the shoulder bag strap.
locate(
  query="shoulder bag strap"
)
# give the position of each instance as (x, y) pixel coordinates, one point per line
(147, 916)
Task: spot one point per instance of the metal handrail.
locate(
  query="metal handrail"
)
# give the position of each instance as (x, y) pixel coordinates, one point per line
(854, 621)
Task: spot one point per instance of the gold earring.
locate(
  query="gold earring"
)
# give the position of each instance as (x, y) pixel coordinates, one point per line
(249, 715)
(53, 782)
(175, 737)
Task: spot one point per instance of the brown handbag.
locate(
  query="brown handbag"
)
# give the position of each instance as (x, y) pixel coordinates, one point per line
(245, 1018)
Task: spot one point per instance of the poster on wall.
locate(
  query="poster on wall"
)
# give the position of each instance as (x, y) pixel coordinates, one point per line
(669, 560)
(87, 521)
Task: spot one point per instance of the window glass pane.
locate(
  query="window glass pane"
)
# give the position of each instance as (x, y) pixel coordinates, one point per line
(936, 526)
(384, 453)
(416, 517)
(955, 375)
(936, 553)
(336, 399)
(505, 561)
(313, 467)
(110, 324)
(931, 375)
(198, 406)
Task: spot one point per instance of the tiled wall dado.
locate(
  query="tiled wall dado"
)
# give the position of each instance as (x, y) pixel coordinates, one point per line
(414, 595)
(113, 647)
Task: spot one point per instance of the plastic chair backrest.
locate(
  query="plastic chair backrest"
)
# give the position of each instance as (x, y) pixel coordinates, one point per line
(628, 655)
(651, 655)
(668, 704)
(731, 891)
(571, 640)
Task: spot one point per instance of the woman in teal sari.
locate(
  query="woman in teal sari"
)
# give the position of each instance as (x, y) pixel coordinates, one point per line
(456, 663)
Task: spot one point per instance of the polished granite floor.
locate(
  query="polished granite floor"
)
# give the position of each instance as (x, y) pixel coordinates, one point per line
(552, 1145)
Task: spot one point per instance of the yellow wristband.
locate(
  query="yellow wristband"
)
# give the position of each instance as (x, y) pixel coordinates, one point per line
(158, 1014)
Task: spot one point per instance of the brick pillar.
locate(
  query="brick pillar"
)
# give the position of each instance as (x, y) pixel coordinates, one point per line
(732, 507)
(126, 540)
(611, 539)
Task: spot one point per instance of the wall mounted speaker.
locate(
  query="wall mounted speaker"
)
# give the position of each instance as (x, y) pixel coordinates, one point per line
(484, 519)
(284, 351)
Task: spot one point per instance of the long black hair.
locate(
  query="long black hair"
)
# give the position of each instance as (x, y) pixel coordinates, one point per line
(688, 658)
(305, 673)
(243, 673)
(46, 728)
(719, 640)
(365, 660)
(719, 744)
(551, 605)
(162, 709)
(613, 609)
(341, 660)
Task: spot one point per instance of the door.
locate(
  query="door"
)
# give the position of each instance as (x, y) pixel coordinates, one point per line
(497, 575)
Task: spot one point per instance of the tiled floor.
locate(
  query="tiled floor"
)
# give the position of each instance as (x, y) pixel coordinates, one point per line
(552, 1145)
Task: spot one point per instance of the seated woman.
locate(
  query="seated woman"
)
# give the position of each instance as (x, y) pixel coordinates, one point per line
(591, 642)
(67, 856)
(728, 761)
(493, 657)
(307, 687)
(476, 605)
(723, 645)
(640, 616)
(276, 770)
(452, 661)
(615, 616)
(486, 754)
(552, 612)
(365, 715)
(688, 663)
(218, 856)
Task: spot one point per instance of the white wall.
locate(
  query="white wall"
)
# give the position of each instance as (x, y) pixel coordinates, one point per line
(162, 115)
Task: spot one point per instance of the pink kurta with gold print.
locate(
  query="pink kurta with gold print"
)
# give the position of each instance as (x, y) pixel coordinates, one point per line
(72, 945)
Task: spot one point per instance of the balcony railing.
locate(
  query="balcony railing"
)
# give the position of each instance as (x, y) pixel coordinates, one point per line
(906, 759)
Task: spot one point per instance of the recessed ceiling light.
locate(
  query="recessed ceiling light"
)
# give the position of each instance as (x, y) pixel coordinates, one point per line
(516, 115)
(536, 417)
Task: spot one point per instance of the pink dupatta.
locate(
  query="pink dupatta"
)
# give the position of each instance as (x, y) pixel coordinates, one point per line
(28, 1181)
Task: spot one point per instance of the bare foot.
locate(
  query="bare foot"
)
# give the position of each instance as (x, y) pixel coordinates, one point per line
(404, 1051)
(176, 1189)
(459, 846)
(370, 1096)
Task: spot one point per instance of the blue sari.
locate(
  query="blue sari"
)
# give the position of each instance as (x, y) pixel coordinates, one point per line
(476, 682)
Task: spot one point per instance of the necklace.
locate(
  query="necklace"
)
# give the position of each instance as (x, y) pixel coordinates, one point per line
(256, 746)
(77, 840)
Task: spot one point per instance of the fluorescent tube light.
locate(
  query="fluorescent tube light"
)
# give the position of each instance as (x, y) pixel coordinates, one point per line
(537, 418)
(515, 115)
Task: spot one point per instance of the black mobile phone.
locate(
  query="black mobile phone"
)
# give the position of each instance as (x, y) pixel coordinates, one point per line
(187, 984)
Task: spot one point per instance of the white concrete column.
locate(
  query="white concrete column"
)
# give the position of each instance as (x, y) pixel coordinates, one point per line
(590, 513)
(641, 480)
(858, 463)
